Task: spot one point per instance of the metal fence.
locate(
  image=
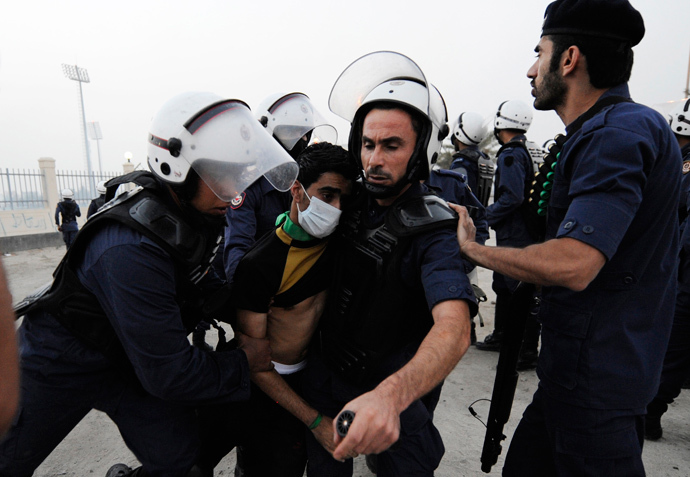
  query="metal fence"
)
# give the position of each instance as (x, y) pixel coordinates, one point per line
(25, 188)
(21, 189)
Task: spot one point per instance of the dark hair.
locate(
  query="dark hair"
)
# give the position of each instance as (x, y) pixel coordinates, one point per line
(323, 157)
(609, 62)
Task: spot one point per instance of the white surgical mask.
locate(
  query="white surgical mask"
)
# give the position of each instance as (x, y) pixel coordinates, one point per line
(319, 219)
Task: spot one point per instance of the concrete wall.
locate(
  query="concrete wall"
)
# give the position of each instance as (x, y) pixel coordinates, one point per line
(35, 228)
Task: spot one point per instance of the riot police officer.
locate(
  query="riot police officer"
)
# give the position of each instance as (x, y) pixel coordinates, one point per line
(468, 131)
(69, 210)
(400, 294)
(98, 202)
(514, 175)
(294, 122)
(111, 333)
(676, 370)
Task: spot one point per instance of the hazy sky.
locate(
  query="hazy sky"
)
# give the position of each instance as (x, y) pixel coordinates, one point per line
(141, 53)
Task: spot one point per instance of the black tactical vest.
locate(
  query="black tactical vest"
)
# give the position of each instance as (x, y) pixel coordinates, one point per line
(148, 210)
(372, 313)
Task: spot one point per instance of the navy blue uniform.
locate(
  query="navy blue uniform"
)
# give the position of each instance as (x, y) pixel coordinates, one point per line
(451, 187)
(676, 370)
(616, 188)
(514, 170)
(95, 204)
(467, 167)
(250, 216)
(69, 210)
(432, 266)
(134, 280)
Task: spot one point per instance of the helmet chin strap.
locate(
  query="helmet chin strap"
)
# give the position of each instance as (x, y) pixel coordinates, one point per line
(384, 192)
(497, 136)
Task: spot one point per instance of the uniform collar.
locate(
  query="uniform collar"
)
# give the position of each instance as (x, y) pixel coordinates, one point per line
(621, 90)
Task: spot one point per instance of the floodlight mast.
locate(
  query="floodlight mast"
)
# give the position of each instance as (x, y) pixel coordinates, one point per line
(96, 134)
(80, 75)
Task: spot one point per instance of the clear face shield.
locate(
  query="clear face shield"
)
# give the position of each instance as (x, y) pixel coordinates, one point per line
(293, 117)
(230, 150)
(366, 73)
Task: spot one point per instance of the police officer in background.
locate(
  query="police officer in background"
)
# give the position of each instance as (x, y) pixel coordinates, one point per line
(468, 131)
(676, 370)
(514, 176)
(398, 317)
(612, 245)
(98, 202)
(111, 333)
(69, 210)
(452, 186)
(294, 122)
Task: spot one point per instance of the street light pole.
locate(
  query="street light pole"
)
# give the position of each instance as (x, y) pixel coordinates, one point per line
(80, 75)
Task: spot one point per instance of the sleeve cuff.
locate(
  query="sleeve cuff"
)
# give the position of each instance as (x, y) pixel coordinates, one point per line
(598, 220)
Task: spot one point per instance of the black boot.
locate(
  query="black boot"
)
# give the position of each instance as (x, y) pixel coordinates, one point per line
(492, 342)
(119, 470)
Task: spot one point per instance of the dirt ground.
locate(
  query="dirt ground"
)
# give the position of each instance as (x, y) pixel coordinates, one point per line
(95, 444)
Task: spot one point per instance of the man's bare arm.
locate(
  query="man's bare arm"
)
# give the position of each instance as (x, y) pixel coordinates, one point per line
(562, 262)
(272, 383)
(377, 423)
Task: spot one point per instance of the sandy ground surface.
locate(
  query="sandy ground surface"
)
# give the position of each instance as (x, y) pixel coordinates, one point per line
(95, 444)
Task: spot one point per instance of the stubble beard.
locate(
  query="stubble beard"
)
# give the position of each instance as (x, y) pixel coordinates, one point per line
(550, 95)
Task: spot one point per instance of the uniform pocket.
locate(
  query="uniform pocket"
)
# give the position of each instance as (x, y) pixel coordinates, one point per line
(563, 332)
(620, 444)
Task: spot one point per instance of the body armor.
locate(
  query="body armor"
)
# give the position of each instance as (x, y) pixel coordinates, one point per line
(147, 210)
(69, 210)
(485, 172)
(373, 314)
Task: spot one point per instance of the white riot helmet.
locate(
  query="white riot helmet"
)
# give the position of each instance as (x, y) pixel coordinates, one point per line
(469, 128)
(67, 194)
(513, 114)
(390, 77)
(218, 138)
(680, 119)
(290, 117)
(100, 188)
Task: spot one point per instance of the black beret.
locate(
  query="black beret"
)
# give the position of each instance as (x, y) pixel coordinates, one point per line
(611, 19)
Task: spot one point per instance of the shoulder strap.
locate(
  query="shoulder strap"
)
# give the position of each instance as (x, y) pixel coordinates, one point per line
(419, 214)
(513, 143)
(472, 155)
